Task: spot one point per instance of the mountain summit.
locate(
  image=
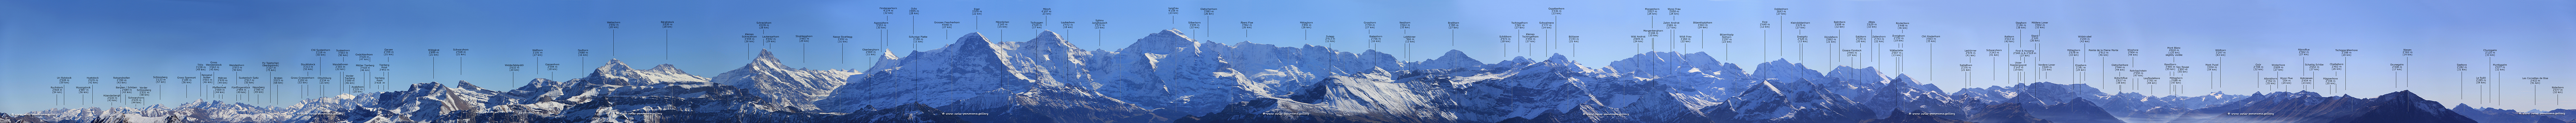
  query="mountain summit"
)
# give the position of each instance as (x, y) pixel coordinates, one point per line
(1168, 77)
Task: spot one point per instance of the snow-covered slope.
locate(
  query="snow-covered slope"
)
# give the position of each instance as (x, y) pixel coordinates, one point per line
(1167, 76)
(780, 85)
(971, 68)
(977, 75)
(1171, 71)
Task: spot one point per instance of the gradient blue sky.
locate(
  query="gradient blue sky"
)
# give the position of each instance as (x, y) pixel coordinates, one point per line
(41, 40)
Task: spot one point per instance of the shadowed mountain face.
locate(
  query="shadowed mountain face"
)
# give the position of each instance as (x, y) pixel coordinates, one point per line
(1168, 77)
(779, 85)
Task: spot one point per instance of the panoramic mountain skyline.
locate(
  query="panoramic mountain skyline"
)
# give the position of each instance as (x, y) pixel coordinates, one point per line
(1168, 77)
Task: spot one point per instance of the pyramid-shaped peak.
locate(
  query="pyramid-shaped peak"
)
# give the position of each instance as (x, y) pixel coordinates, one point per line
(972, 39)
(1452, 59)
(765, 56)
(1556, 58)
(1169, 33)
(2400, 95)
(1518, 59)
(1166, 42)
(971, 43)
(765, 61)
(614, 65)
(1048, 37)
(885, 61)
(1455, 55)
(1167, 38)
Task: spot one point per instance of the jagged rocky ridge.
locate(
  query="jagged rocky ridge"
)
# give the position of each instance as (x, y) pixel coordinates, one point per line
(1169, 77)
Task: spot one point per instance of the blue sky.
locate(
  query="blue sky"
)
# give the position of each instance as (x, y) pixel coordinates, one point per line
(42, 40)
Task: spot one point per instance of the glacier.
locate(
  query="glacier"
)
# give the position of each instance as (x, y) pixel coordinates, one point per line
(1170, 77)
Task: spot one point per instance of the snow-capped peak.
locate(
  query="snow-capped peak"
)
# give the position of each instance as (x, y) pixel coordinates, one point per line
(971, 42)
(1048, 37)
(1166, 42)
(1452, 59)
(1168, 74)
(1557, 58)
(617, 72)
(1517, 60)
(612, 66)
(1785, 71)
(781, 85)
(765, 61)
(885, 62)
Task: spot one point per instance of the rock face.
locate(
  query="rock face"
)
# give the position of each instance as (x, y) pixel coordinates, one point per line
(1168, 70)
(976, 76)
(779, 85)
(1169, 77)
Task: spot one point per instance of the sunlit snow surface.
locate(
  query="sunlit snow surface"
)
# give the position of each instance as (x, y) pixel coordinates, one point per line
(1169, 77)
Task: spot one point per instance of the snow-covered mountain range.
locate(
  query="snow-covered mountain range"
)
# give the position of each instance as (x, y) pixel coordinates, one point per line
(1168, 77)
